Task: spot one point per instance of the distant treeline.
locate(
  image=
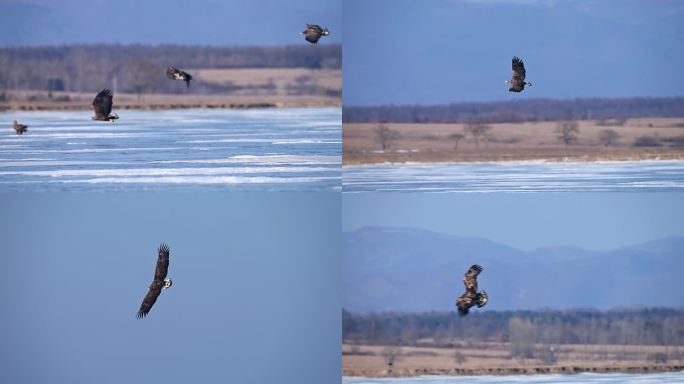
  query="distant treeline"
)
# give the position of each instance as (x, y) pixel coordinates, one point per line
(136, 68)
(655, 326)
(518, 111)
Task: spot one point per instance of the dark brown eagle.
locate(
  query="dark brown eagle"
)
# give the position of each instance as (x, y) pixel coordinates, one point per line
(159, 283)
(471, 296)
(518, 82)
(174, 73)
(19, 128)
(314, 32)
(102, 105)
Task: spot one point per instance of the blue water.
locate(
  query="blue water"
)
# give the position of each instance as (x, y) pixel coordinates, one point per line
(666, 378)
(200, 149)
(529, 176)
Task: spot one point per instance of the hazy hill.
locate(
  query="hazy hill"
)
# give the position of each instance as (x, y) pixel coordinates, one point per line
(416, 270)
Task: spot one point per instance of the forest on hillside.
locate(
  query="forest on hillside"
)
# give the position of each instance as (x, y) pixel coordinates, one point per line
(645, 326)
(138, 68)
(518, 111)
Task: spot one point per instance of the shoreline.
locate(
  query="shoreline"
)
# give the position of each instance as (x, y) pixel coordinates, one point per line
(522, 160)
(507, 371)
(171, 106)
(663, 155)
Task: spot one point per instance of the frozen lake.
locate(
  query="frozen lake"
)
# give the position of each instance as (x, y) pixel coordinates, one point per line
(606, 378)
(255, 149)
(667, 175)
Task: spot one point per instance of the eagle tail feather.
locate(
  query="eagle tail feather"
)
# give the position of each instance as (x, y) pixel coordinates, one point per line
(482, 299)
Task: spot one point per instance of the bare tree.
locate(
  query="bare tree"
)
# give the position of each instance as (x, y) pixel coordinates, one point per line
(477, 130)
(456, 138)
(547, 355)
(608, 137)
(386, 136)
(567, 132)
(142, 74)
(522, 338)
(391, 355)
(459, 357)
(647, 141)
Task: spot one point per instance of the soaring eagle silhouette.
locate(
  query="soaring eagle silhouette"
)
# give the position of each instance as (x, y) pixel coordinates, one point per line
(159, 283)
(517, 81)
(102, 105)
(174, 73)
(19, 128)
(471, 296)
(314, 32)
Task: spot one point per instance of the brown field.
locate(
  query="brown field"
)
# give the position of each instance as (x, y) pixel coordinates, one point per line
(326, 79)
(494, 358)
(514, 141)
(254, 88)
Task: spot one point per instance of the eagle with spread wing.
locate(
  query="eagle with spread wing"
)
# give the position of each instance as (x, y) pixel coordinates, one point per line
(159, 283)
(174, 73)
(19, 128)
(102, 105)
(517, 81)
(314, 32)
(471, 297)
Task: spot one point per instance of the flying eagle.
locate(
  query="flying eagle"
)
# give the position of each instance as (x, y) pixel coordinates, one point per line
(174, 73)
(19, 128)
(471, 296)
(314, 32)
(518, 82)
(102, 105)
(159, 283)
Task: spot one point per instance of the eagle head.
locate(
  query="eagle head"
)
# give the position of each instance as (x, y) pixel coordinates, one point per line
(325, 32)
(167, 283)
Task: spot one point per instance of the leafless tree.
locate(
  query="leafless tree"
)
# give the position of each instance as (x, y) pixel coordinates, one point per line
(391, 355)
(608, 137)
(456, 138)
(567, 132)
(459, 357)
(143, 73)
(547, 355)
(386, 136)
(647, 141)
(522, 338)
(477, 130)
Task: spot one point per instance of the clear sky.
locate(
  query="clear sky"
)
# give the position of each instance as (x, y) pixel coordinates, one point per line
(205, 22)
(593, 221)
(444, 51)
(255, 299)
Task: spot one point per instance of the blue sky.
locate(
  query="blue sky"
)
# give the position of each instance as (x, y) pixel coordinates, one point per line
(255, 299)
(205, 22)
(594, 221)
(444, 51)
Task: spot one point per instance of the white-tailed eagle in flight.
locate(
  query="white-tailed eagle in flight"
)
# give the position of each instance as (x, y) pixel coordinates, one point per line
(102, 105)
(314, 32)
(471, 297)
(159, 283)
(517, 81)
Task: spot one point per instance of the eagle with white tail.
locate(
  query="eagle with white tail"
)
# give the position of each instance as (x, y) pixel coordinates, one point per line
(159, 283)
(517, 81)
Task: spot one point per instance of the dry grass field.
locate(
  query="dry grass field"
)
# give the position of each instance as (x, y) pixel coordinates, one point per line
(469, 358)
(637, 139)
(285, 80)
(253, 87)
